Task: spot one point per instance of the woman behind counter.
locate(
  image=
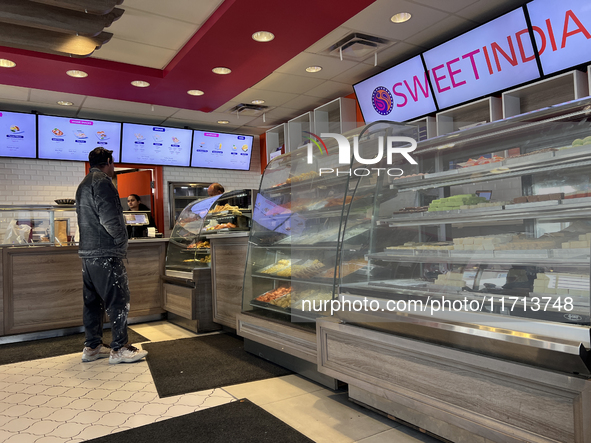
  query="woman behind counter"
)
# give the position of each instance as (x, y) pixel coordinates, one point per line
(134, 203)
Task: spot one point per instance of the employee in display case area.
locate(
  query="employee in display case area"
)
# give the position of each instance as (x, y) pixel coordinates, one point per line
(134, 203)
(215, 189)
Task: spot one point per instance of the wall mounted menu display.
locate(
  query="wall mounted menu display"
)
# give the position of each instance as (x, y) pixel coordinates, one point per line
(18, 135)
(155, 145)
(562, 30)
(493, 57)
(400, 93)
(221, 151)
(64, 138)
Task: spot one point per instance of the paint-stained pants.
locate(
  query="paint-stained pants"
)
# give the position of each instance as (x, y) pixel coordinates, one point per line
(105, 289)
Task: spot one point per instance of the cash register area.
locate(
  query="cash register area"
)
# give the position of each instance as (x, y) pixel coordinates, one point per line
(61, 399)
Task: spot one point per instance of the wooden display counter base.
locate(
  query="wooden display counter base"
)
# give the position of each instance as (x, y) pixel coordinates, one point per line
(460, 396)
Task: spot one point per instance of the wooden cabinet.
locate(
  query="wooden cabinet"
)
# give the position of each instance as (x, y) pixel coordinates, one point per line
(42, 286)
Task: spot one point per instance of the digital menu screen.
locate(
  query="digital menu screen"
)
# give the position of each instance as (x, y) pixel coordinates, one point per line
(490, 58)
(562, 32)
(155, 145)
(221, 151)
(18, 135)
(398, 94)
(64, 138)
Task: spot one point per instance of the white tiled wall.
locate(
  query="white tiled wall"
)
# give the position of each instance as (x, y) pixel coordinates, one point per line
(40, 182)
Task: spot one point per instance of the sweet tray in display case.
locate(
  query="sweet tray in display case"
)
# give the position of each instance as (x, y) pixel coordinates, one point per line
(297, 231)
(496, 224)
(188, 249)
(38, 225)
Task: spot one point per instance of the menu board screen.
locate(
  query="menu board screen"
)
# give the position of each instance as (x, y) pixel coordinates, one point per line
(155, 145)
(398, 94)
(562, 30)
(221, 151)
(64, 138)
(18, 135)
(490, 58)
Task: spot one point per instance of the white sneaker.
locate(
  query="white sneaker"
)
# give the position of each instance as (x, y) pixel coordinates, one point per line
(126, 354)
(101, 351)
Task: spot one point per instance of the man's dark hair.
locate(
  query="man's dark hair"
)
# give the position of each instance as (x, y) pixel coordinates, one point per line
(218, 188)
(100, 157)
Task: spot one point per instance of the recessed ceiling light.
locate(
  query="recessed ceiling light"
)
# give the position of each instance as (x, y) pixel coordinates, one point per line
(258, 102)
(223, 122)
(65, 103)
(5, 63)
(401, 17)
(195, 92)
(140, 83)
(314, 68)
(221, 70)
(263, 36)
(77, 74)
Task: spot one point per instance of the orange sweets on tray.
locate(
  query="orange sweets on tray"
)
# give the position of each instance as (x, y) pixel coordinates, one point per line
(272, 295)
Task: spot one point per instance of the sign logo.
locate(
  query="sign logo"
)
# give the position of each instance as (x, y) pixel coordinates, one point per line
(382, 100)
(316, 143)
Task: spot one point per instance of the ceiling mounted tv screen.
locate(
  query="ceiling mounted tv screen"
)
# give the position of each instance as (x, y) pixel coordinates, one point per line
(18, 135)
(155, 145)
(65, 138)
(221, 151)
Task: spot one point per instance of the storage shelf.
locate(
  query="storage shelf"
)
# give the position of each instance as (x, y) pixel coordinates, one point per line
(292, 280)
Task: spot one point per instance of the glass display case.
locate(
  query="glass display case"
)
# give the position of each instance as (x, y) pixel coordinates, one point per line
(188, 249)
(492, 235)
(37, 225)
(180, 194)
(297, 229)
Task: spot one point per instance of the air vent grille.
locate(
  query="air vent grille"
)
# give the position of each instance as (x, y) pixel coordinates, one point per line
(248, 109)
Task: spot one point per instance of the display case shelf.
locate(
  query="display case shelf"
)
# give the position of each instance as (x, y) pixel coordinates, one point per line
(466, 116)
(297, 128)
(275, 138)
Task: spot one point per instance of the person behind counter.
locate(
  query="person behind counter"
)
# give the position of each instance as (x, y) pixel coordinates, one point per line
(134, 203)
(102, 248)
(215, 189)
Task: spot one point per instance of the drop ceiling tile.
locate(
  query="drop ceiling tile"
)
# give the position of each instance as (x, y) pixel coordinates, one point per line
(105, 104)
(330, 90)
(272, 98)
(375, 19)
(52, 97)
(227, 106)
(211, 117)
(448, 5)
(398, 53)
(357, 73)
(328, 40)
(294, 84)
(485, 10)
(120, 117)
(444, 30)
(331, 66)
(13, 93)
(41, 108)
(273, 118)
(305, 103)
(192, 11)
(149, 29)
(133, 53)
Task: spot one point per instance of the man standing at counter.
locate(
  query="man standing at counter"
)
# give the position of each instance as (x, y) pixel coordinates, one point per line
(102, 248)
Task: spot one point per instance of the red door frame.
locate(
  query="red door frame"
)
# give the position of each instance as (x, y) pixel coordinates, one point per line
(158, 189)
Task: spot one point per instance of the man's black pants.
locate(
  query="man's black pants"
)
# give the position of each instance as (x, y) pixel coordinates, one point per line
(105, 289)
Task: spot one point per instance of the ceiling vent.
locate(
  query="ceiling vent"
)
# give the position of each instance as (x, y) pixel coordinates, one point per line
(248, 109)
(357, 46)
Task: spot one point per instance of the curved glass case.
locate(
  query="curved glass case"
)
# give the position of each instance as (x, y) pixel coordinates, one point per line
(491, 235)
(188, 248)
(296, 236)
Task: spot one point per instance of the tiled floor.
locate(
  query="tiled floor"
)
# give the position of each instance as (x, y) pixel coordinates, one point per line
(61, 399)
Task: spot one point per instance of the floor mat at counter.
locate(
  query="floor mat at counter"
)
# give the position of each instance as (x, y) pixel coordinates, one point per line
(200, 363)
(238, 422)
(53, 347)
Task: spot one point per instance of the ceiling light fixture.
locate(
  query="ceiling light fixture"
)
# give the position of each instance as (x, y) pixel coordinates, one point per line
(223, 122)
(64, 103)
(263, 36)
(76, 74)
(258, 102)
(401, 17)
(221, 70)
(5, 63)
(140, 83)
(314, 68)
(195, 92)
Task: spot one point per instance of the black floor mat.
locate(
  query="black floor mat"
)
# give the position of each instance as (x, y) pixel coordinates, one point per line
(200, 363)
(53, 347)
(237, 422)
